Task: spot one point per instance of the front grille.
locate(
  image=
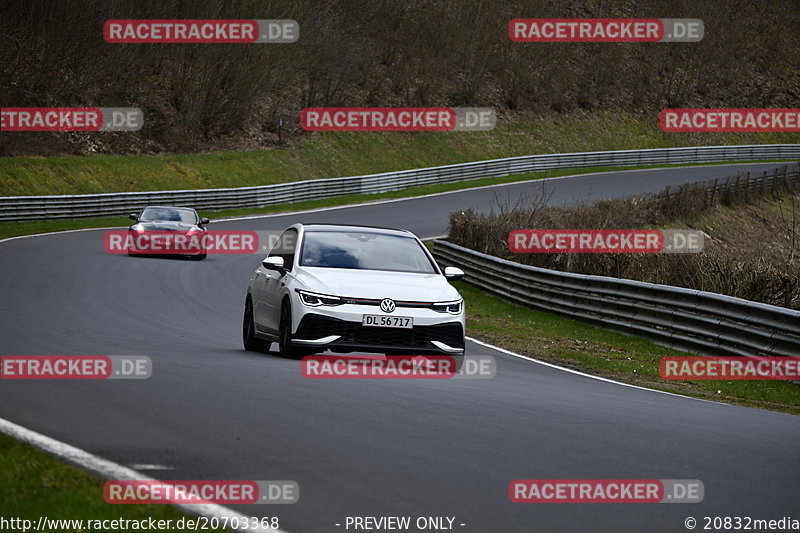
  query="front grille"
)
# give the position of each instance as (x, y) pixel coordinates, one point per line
(317, 327)
(398, 303)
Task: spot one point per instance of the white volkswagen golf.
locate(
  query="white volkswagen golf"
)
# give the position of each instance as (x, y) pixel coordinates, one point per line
(353, 288)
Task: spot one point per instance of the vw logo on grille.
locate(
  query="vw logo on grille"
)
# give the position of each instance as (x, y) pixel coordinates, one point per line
(387, 305)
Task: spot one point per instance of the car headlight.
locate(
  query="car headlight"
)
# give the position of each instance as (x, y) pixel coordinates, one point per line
(454, 308)
(138, 228)
(313, 299)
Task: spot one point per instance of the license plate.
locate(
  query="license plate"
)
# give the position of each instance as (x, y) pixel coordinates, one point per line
(383, 321)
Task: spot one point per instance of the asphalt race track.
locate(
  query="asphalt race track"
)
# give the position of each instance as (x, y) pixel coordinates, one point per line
(367, 448)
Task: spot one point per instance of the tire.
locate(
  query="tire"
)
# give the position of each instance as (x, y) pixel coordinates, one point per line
(285, 335)
(249, 340)
(198, 257)
(459, 360)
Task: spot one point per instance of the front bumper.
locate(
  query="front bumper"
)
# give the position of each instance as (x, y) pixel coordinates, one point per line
(326, 332)
(161, 243)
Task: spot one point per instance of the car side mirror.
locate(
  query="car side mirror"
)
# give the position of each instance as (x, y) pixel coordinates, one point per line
(204, 220)
(274, 263)
(133, 216)
(453, 273)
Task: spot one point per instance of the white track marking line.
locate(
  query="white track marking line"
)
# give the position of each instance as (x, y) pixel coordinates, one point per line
(140, 466)
(54, 233)
(578, 372)
(111, 470)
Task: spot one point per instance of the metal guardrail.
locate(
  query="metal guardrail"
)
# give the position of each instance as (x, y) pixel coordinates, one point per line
(685, 319)
(118, 204)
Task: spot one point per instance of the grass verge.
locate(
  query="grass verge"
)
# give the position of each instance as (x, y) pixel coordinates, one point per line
(573, 344)
(35, 484)
(326, 155)
(14, 229)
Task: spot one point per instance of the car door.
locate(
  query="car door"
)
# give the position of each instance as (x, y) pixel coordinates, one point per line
(258, 289)
(270, 284)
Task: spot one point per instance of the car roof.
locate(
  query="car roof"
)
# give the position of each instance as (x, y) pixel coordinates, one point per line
(355, 227)
(168, 207)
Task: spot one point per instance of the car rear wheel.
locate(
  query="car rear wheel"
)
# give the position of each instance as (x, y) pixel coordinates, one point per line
(249, 340)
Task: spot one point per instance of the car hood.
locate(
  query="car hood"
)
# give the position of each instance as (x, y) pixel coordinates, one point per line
(165, 225)
(354, 283)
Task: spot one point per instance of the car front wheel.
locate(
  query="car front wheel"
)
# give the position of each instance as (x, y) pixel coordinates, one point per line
(285, 336)
(458, 361)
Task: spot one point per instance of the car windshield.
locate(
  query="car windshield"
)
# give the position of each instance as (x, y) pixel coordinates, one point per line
(153, 214)
(364, 250)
